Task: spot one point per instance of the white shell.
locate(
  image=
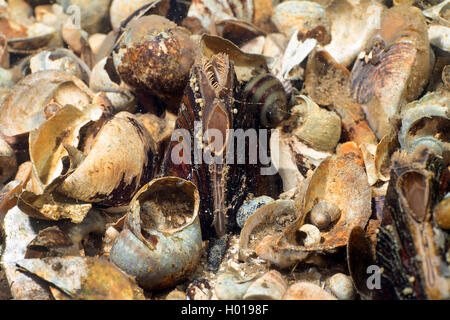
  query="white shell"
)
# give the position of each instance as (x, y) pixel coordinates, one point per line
(291, 16)
(312, 235)
(121, 98)
(439, 36)
(352, 27)
(295, 53)
(341, 286)
(230, 287)
(19, 232)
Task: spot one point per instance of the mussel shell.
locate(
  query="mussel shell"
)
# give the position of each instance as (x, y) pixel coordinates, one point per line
(399, 52)
(222, 186)
(30, 97)
(413, 260)
(359, 258)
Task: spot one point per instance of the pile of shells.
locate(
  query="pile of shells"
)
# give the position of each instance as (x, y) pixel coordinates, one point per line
(203, 150)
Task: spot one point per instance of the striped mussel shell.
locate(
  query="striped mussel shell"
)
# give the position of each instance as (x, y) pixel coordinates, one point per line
(210, 101)
(265, 94)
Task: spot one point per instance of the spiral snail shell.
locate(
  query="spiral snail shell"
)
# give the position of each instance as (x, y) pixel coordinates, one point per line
(266, 92)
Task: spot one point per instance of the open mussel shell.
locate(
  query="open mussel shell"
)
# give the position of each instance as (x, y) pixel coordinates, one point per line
(382, 76)
(24, 109)
(161, 241)
(245, 64)
(411, 247)
(32, 44)
(268, 221)
(426, 122)
(117, 182)
(342, 182)
(83, 278)
(67, 181)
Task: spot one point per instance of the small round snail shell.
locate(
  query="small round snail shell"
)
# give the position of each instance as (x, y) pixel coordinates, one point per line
(324, 213)
(442, 214)
(341, 286)
(155, 54)
(249, 207)
(312, 235)
(266, 93)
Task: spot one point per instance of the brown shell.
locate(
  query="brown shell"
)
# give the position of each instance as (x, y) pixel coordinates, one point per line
(84, 278)
(66, 181)
(409, 231)
(395, 67)
(118, 163)
(339, 180)
(156, 54)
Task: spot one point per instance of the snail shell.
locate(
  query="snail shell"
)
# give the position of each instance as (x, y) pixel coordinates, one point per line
(323, 214)
(341, 286)
(442, 214)
(317, 127)
(312, 237)
(266, 94)
(154, 53)
(161, 242)
(424, 123)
